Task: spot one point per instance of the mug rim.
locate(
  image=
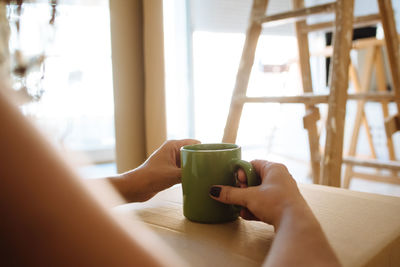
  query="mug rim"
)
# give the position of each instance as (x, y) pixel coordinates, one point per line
(192, 148)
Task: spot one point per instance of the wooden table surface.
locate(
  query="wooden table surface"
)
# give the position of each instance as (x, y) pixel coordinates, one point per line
(363, 229)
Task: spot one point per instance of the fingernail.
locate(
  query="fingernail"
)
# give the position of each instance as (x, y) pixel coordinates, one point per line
(215, 191)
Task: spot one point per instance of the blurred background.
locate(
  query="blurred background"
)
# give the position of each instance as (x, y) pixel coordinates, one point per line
(100, 108)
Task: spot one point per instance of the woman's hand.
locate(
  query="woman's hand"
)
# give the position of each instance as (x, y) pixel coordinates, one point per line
(299, 239)
(267, 202)
(160, 171)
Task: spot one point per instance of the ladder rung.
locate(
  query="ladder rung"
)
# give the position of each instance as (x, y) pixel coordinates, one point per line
(377, 177)
(358, 22)
(373, 163)
(315, 99)
(300, 99)
(374, 97)
(298, 14)
(357, 45)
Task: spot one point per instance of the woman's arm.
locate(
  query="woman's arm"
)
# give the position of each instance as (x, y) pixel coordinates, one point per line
(160, 171)
(299, 239)
(48, 217)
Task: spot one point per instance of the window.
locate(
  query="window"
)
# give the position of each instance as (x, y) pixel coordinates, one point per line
(76, 103)
(214, 39)
(207, 41)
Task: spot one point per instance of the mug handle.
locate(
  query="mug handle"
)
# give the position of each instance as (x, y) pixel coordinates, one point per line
(251, 175)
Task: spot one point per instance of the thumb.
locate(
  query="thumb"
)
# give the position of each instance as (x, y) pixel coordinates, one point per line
(230, 195)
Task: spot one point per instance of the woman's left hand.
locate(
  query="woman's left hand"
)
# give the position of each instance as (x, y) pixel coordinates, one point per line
(160, 171)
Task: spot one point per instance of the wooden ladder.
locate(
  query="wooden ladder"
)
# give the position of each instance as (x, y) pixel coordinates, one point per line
(374, 59)
(326, 168)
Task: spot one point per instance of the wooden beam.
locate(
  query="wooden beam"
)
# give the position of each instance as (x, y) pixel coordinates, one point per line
(372, 163)
(312, 112)
(392, 125)
(243, 74)
(339, 82)
(311, 117)
(360, 114)
(358, 22)
(311, 99)
(392, 45)
(297, 15)
(382, 83)
(377, 177)
(357, 45)
(300, 99)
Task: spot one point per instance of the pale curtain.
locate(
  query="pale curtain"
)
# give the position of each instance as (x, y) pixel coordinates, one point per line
(138, 73)
(4, 50)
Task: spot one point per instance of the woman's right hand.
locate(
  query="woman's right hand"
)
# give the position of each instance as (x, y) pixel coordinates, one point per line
(269, 201)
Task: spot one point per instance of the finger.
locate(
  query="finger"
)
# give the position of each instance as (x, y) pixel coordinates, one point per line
(185, 142)
(262, 167)
(230, 195)
(177, 144)
(241, 175)
(259, 165)
(180, 143)
(247, 215)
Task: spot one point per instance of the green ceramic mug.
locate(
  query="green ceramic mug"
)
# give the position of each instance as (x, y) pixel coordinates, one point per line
(205, 165)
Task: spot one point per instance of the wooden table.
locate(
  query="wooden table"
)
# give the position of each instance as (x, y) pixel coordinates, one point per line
(363, 229)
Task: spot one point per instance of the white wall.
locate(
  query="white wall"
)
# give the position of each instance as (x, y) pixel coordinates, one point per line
(364, 7)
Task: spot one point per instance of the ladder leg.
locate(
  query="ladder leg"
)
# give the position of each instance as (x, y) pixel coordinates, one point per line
(348, 173)
(381, 80)
(369, 135)
(356, 130)
(366, 77)
(332, 161)
(312, 112)
(310, 124)
(392, 45)
(243, 74)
